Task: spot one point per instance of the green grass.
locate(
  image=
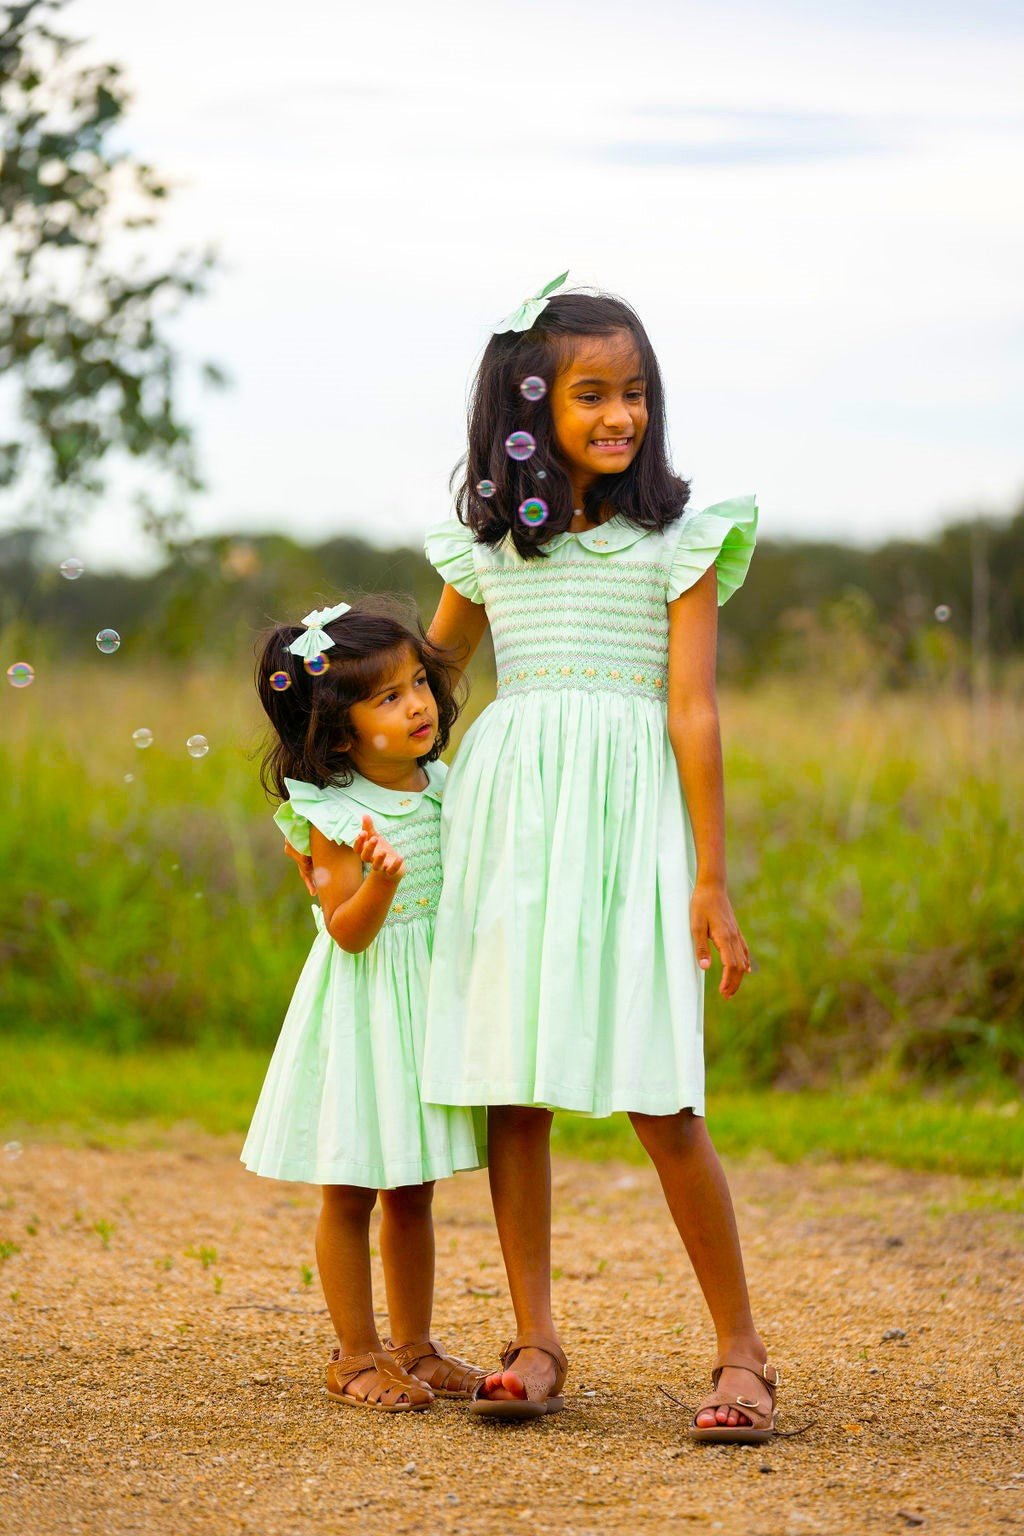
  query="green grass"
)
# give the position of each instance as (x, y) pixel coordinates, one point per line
(57, 1089)
(876, 858)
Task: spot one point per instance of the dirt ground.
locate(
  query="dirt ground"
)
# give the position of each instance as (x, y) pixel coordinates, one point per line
(163, 1353)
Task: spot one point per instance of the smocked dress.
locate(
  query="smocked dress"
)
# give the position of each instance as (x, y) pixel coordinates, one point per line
(564, 970)
(341, 1103)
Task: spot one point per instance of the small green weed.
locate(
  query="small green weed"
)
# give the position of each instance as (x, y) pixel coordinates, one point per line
(104, 1231)
(307, 1275)
(218, 1284)
(8, 1250)
(206, 1256)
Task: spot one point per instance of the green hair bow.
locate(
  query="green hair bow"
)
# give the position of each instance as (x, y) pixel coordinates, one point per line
(316, 638)
(522, 318)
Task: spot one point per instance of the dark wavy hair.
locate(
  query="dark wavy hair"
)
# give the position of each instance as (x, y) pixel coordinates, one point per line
(647, 492)
(311, 715)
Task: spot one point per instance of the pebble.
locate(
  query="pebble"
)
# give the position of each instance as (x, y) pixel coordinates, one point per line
(260, 1379)
(894, 1333)
(410, 1466)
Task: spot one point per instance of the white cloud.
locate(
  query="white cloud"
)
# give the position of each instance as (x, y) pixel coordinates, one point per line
(816, 209)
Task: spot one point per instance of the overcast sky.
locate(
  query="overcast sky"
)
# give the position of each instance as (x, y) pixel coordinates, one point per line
(817, 209)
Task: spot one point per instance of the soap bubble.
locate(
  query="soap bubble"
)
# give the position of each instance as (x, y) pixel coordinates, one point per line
(316, 665)
(533, 388)
(533, 511)
(20, 674)
(12, 1149)
(71, 568)
(197, 746)
(143, 737)
(520, 445)
(108, 641)
(943, 613)
(279, 681)
(129, 778)
(542, 474)
(485, 488)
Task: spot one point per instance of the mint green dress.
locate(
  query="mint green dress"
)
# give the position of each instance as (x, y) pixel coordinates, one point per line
(564, 969)
(341, 1103)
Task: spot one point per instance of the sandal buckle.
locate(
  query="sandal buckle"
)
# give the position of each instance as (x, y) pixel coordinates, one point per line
(775, 1380)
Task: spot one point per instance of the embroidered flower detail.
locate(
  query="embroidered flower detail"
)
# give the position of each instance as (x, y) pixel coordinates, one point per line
(399, 906)
(657, 682)
(614, 674)
(405, 802)
(638, 677)
(542, 671)
(590, 671)
(520, 675)
(600, 543)
(566, 671)
(424, 901)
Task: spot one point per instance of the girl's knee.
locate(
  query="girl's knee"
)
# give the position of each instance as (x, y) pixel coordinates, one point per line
(348, 1201)
(525, 1121)
(408, 1200)
(667, 1133)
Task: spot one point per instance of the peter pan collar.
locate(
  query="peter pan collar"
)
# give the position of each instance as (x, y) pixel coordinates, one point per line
(606, 539)
(396, 802)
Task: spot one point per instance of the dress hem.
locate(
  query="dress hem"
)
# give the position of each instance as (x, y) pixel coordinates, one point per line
(478, 1095)
(360, 1175)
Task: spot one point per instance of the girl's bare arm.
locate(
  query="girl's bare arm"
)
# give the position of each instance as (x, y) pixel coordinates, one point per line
(696, 742)
(457, 626)
(355, 905)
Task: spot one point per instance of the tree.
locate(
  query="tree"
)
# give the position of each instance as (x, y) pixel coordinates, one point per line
(84, 354)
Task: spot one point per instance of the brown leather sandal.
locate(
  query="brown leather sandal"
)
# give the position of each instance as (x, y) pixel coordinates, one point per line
(390, 1378)
(762, 1421)
(451, 1377)
(528, 1407)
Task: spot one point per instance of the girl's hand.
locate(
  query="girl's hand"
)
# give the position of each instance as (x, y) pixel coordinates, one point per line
(375, 850)
(305, 864)
(712, 918)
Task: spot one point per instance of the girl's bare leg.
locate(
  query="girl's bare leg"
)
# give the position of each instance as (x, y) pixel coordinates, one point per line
(407, 1253)
(698, 1197)
(343, 1259)
(519, 1167)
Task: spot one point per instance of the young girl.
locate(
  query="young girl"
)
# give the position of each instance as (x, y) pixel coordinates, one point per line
(583, 826)
(361, 708)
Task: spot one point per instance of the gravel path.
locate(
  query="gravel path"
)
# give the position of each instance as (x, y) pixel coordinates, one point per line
(164, 1359)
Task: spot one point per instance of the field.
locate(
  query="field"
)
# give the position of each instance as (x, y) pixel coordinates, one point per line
(876, 864)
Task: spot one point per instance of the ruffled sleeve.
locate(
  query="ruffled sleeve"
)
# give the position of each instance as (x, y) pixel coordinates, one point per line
(450, 549)
(723, 536)
(329, 810)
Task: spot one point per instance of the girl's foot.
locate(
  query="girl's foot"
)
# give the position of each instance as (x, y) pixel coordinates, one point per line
(738, 1383)
(533, 1376)
(374, 1380)
(532, 1372)
(446, 1375)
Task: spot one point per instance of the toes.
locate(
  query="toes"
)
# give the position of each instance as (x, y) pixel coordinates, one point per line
(706, 1419)
(513, 1384)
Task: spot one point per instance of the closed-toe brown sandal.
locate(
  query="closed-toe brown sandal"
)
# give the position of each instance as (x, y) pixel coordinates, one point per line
(451, 1377)
(390, 1378)
(762, 1421)
(528, 1407)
